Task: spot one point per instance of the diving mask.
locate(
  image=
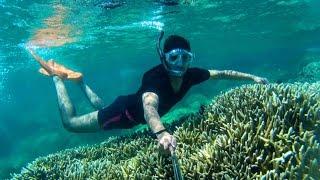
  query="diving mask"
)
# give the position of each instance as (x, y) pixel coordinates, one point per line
(178, 61)
(179, 56)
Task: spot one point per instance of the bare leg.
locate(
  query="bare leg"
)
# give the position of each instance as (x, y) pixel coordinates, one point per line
(94, 99)
(84, 123)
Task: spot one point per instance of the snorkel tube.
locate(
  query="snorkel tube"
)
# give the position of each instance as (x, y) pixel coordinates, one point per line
(160, 51)
(162, 55)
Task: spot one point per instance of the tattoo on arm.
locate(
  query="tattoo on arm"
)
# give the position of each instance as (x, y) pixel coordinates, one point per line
(150, 107)
(230, 74)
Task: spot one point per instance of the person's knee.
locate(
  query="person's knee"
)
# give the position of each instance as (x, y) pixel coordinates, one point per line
(69, 126)
(79, 125)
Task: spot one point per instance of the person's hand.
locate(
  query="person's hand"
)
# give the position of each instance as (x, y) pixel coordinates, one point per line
(167, 142)
(261, 80)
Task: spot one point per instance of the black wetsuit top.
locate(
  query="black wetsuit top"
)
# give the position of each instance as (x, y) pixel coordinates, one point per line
(127, 111)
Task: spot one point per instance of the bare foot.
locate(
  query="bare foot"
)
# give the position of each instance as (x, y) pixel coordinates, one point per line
(50, 68)
(53, 68)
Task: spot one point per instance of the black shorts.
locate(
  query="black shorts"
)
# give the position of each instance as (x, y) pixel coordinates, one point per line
(116, 115)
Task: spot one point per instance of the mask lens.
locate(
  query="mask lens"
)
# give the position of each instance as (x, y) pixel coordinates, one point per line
(173, 58)
(186, 57)
(178, 55)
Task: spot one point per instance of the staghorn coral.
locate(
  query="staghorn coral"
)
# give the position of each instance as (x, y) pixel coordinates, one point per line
(250, 132)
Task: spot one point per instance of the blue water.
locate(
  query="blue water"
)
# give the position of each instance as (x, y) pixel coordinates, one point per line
(113, 48)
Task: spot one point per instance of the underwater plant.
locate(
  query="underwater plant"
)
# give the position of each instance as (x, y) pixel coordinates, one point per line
(253, 131)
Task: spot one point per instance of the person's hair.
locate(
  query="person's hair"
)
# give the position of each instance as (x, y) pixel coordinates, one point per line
(175, 41)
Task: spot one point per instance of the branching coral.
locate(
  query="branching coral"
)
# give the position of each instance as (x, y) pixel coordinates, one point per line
(249, 132)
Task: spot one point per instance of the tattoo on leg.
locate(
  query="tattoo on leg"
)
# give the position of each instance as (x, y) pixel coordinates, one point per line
(84, 123)
(94, 99)
(66, 108)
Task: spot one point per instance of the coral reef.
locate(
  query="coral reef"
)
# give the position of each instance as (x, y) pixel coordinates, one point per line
(310, 72)
(254, 131)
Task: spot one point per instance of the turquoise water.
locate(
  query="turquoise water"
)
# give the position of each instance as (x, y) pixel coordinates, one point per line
(113, 48)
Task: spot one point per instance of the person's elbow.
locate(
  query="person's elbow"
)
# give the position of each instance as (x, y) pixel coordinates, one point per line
(150, 99)
(214, 74)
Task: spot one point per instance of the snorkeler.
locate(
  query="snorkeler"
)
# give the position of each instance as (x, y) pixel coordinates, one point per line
(162, 87)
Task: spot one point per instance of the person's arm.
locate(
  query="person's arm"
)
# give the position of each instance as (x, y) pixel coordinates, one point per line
(150, 106)
(230, 74)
